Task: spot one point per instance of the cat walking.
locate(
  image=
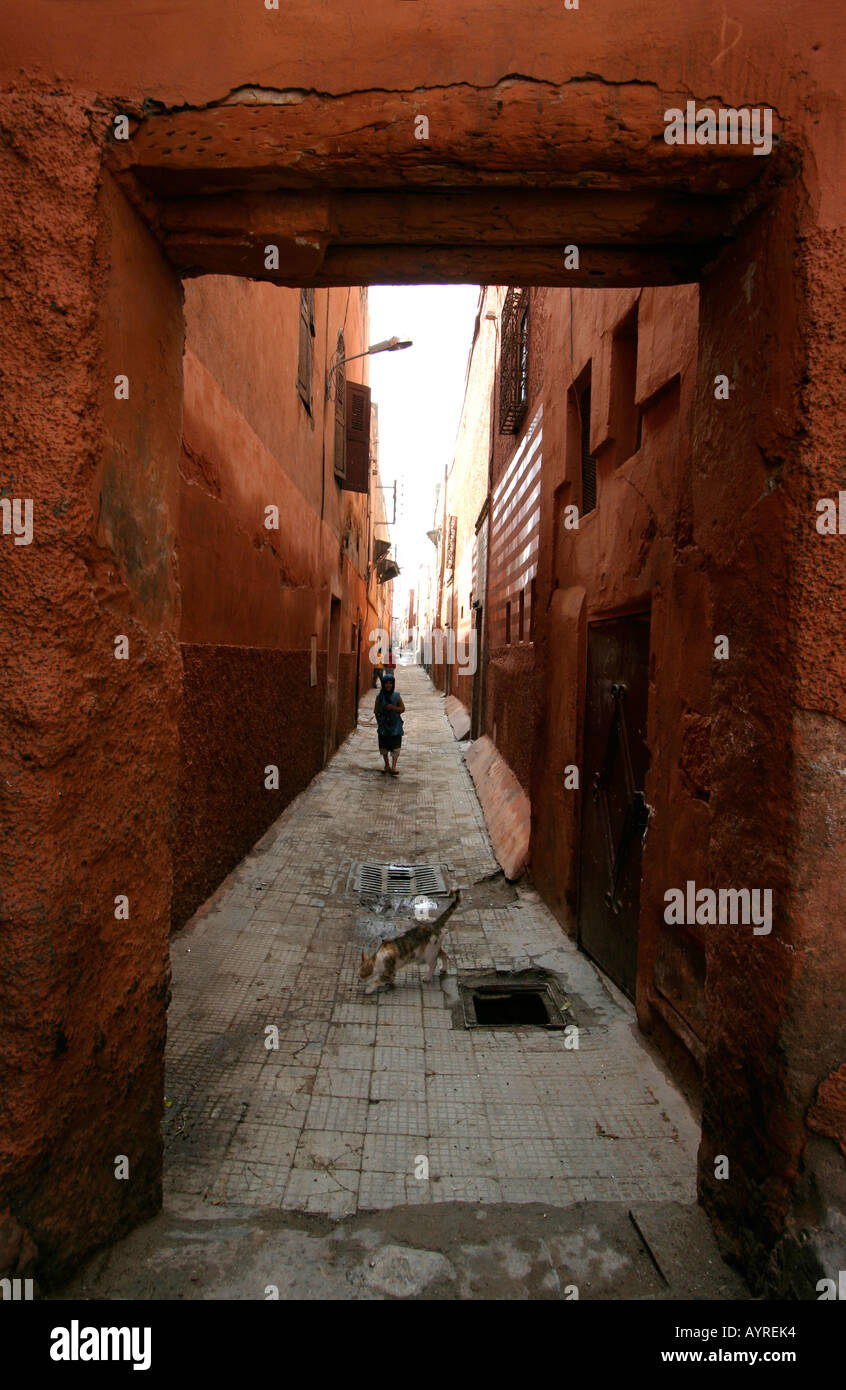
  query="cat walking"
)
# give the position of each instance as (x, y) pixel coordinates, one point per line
(421, 943)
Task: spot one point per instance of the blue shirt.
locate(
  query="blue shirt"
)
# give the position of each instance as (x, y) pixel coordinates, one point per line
(389, 720)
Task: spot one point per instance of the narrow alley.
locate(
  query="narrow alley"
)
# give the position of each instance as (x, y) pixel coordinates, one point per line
(492, 359)
(581, 1159)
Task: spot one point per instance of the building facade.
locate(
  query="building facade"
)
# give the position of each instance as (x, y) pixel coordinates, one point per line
(570, 495)
(279, 589)
(129, 158)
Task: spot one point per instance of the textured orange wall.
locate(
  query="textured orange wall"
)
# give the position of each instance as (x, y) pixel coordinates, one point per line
(773, 306)
(88, 746)
(252, 597)
(467, 485)
(777, 1003)
(633, 551)
(254, 444)
(782, 53)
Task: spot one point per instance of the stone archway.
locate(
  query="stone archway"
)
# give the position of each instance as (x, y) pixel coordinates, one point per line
(346, 192)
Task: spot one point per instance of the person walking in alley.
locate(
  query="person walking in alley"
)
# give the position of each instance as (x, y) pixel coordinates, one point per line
(388, 709)
(377, 669)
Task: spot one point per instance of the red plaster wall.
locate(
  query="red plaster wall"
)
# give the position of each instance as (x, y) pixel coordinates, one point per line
(461, 685)
(516, 468)
(253, 597)
(515, 520)
(243, 584)
(514, 462)
(88, 746)
(244, 709)
(633, 551)
(510, 711)
(775, 1003)
(775, 730)
(777, 53)
(467, 484)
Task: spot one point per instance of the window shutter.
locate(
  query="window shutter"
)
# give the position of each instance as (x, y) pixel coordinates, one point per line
(452, 536)
(358, 438)
(588, 459)
(305, 362)
(340, 412)
(513, 361)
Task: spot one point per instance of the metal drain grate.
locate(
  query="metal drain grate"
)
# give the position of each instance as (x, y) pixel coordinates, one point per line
(392, 880)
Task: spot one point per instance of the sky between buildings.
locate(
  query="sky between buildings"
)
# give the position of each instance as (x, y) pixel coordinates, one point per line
(419, 393)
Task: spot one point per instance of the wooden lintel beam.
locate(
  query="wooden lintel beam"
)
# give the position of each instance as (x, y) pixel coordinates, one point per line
(598, 266)
(515, 132)
(619, 266)
(455, 216)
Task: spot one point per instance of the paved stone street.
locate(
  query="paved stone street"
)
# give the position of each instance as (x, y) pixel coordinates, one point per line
(335, 1120)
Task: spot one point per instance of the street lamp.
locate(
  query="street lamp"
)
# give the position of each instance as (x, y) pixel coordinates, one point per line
(388, 345)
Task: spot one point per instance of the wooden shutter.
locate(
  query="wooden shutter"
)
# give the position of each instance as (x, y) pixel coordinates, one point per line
(513, 361)
(305, 364)
(452, 536)
(588, 459)
(357, 438)
(340, 411)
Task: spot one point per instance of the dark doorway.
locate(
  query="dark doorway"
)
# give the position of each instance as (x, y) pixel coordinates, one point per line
(477, 711)
(614, 813)
(332, 679)
(480, 585)
(357, 689)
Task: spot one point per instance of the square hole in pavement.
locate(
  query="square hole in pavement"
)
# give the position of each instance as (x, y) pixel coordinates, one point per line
(527, 999)
(507, 1007)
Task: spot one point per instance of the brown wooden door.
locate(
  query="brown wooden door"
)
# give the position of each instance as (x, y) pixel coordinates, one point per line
(614, 768)
(480, 589)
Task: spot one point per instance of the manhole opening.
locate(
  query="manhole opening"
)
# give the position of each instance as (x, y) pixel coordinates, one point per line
(526, 999)
(510, 1007)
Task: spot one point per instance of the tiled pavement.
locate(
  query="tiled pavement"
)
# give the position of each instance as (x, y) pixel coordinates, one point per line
(336, 1118)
